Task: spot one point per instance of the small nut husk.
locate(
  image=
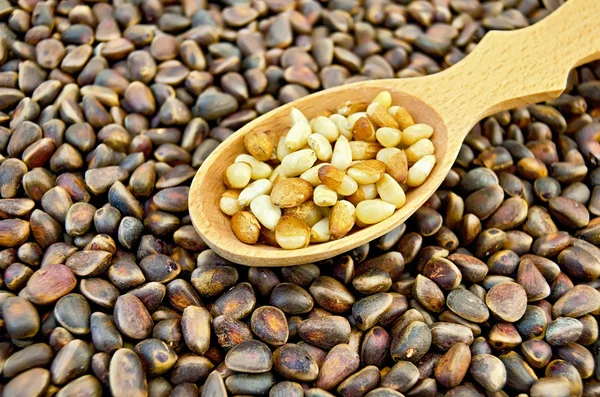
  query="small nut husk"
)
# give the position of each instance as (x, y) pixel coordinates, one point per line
(341, 219)
(246, 227)
(292, 233)
(319, 233)
(396, 163)
(337, 180)
(259, 145)
(229, 202)
(367, 172)
(291, 192)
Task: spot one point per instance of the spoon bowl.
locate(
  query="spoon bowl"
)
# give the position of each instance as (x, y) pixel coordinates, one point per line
(506, 70)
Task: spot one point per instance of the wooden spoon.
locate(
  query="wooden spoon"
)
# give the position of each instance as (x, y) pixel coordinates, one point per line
(506, 70)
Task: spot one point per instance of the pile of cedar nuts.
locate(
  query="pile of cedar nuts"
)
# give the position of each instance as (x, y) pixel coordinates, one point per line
(106, 111)
(331, 173)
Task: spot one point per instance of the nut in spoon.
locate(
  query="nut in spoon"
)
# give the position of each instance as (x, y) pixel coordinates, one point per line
(506, 70)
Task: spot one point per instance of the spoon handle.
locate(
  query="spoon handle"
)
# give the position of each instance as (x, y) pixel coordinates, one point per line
(516, 68)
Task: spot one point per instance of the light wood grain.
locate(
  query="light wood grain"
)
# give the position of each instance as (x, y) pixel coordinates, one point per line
(506, 70)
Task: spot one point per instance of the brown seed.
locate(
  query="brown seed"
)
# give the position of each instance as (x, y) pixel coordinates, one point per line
(467, 305)
(36, 355)
(249, 357)
(290, 192)
(341, 361)
(367, 311)
(157, 357)
(21, 318)
(291, 299)
(213, 280)
(578, 301)
(362, 381)
(195, 326)
(50, 283)
(71, 361)
(488, 371)
(127, 374)
(567, 370)
(238, 302)
(453, 366)
(33, 382)
(569, 212)
(293, 362)
(485, 201)
(507, 300)
(443, 272)
(412, 342)
(105, 336)
(325, 332)
(520, 376)
(230, 332)
(428, 294)
(579, 264)
(444, 335)
(132, 318)
(270, 325)
(73, 312)
(372, 281)
(89, 263)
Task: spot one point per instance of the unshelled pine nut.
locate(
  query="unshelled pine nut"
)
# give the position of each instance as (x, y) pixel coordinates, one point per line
(260, 169)
(341, 219)
(388, 137)
(366, 172)
(374, 211)
(390, 191)
(342, 125)
(297, 136)
(342, 154)
(325, 126)
(238, 175)
(266, 213)
(324, 196)
(296, 116)
(296, 163)
(253, 190)
(418, 150)
(321, 146)
(415, 133)
(319, 233)
(292, 233)
(418, 173)
(312, 174)
(246, 227)
(229, 202)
